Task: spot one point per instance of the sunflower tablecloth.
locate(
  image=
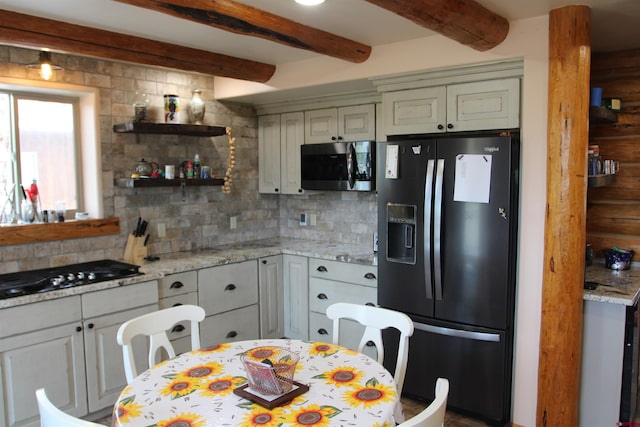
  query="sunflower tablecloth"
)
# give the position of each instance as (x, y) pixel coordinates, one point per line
(195, 389)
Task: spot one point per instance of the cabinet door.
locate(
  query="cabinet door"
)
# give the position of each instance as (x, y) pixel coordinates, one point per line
(269, 154)
(493, 104)
(321, 126)
(105, 366)
(414, 111)
(357, 123)
(292, 137)
(296, 296)
(51, 358)
(271, 297)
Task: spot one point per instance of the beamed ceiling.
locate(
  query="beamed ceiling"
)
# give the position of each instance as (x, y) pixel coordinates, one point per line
(247, 39)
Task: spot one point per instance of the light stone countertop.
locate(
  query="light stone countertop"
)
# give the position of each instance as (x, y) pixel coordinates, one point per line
(614, 286)
(195, 260)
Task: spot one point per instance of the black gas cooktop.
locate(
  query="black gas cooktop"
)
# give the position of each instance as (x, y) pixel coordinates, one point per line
(68, 276)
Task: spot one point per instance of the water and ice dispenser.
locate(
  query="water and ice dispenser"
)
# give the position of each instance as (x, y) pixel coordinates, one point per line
(401, 233)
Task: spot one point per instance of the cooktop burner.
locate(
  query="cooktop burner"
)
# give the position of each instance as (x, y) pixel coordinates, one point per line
(49, 279)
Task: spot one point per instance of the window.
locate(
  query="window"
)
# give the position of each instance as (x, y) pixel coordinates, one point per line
(39, 142)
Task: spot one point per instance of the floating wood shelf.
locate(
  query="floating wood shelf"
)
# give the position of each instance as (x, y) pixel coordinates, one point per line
(169, 129)
(602, 115)
(161, 182)
(600, 180)
(31, 233)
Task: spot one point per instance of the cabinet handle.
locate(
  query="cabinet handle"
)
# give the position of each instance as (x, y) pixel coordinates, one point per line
(449, 126)
(322, 269)
(90, 325)
(264, 261)
(440, 127)
(369, 276)
(177, 328)
(299, 190)
(78, 328)
(176, 285)
(177, 304)
(322, 296)
(276, 190)
(339, 138)
(323, 331)
(333, 138)
(230, 287)
(232, 334)
(370, 344)
(370, 304)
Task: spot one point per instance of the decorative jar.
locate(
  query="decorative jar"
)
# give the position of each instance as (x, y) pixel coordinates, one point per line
(196, 108)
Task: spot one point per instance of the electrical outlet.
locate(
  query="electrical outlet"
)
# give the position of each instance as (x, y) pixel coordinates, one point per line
(312, 219)
(303, 219)
(233, 222)
(162, 230)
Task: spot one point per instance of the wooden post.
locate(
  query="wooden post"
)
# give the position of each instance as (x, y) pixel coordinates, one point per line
(563, 276)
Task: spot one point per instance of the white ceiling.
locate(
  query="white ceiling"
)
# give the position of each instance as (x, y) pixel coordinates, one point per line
(615, 23)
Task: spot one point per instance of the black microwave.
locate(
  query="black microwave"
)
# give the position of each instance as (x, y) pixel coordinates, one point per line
(340, 166)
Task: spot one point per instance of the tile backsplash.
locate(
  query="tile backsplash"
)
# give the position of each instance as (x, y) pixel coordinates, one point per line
(198, 217)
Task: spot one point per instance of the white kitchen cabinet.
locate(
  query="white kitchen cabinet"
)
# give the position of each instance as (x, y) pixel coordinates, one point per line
(41, 345)
(334, 281)
(178, 289)
(491, 104)
(296, 296)
(271, 297)
(229, 296)
(350, 123)
(279, 139)
(103, 313)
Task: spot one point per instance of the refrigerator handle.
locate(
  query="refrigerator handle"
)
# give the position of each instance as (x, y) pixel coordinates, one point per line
(437, 229)
(458, 333)
(426, 223)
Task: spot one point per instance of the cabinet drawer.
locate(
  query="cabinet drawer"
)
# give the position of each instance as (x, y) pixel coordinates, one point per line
(177, 284)
(366, 275)
(236, 325)
(190, 298)
(119, 299)
(321, 329)
(323, 293)
(29, 317)
(228, 287)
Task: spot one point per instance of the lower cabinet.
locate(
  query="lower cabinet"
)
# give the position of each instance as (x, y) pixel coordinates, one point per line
(271, 297)
(229, 295)
(67, 346)
(334, 281)
(296, 296)
(179, 289)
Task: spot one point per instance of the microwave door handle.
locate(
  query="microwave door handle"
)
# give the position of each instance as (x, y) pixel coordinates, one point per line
(351, 165)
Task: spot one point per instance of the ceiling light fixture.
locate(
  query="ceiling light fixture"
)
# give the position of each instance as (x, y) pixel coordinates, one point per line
(309, 2)
(44, 66)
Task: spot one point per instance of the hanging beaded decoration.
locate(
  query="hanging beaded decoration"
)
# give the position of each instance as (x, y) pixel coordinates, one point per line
(226, 188)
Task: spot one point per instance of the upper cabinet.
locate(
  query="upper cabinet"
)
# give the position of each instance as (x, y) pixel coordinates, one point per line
(351, 123)
(491, 104)
(279, 139)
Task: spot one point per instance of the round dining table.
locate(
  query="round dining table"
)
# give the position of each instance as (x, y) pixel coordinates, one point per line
(196, 389)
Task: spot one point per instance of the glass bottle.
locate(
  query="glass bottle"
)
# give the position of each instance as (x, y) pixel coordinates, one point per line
(140, 107)
(196, 108)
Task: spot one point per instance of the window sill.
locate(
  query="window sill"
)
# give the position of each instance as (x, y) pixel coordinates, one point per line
(73, 229)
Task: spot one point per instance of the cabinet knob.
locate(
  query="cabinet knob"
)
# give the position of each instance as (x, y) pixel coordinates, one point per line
(322, 269)
(333, 138)
(322, 296)
(230, 287)
(449, 126)
(440, 127)
(276, 190)
(323, 331)
(232, 334)
(177, 328)
(339, 138)
(176, 285)
(78, 328)
(264, 261)
(299, 190)
(369, 276)
(90, 325)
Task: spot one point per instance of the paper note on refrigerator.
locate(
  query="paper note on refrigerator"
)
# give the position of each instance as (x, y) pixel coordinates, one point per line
(391, 162)
(472, 178)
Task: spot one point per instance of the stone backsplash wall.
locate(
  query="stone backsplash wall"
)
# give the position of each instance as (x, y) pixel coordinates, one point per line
(198, 217)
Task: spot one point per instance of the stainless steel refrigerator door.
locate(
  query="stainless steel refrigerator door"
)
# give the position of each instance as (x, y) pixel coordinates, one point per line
(476, 251)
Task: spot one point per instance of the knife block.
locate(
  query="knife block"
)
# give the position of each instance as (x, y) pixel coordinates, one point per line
(135, 251)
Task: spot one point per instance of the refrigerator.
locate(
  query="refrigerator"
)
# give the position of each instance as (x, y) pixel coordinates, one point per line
(447, 238)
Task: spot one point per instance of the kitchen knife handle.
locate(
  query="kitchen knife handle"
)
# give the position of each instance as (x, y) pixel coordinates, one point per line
(437, 229)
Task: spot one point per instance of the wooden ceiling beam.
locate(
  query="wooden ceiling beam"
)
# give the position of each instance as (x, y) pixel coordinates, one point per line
(36, 32)
(239, 18)
(465, 21)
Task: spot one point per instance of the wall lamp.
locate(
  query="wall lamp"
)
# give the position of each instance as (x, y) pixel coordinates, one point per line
(44, 65)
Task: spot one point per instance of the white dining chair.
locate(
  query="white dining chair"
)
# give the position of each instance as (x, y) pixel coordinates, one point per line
(51, 416)
(155, 325)
(432, 415)
(375, 319)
